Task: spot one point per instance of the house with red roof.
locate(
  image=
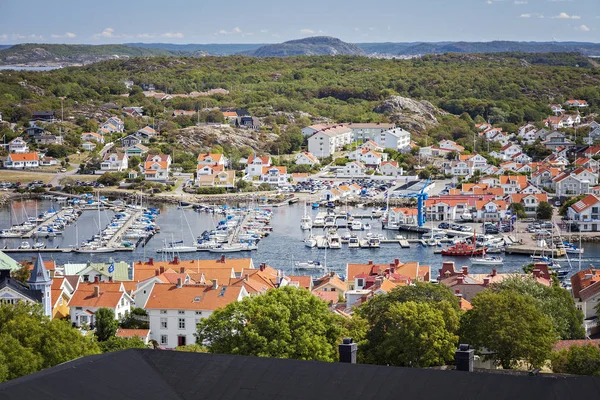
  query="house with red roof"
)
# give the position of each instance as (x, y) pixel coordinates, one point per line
(255, 165)
(273, 175)
(586, 291)
(574, 183)
(401, 216)
(576, 103)
(88, 298)
(306, 158)
(22, 160)
(142, 334)
(156, 167)
(390, 168)
(211, 159)
(530, 201)
(586, 213)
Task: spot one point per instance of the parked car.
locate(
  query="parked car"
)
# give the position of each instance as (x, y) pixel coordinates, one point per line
(491, 230)
(444, 225)
(466, 228)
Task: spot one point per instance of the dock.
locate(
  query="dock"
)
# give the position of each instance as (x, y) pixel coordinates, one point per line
(112, 242)
(404, 244)
(56, 250)
(534, 250)
(48, 221)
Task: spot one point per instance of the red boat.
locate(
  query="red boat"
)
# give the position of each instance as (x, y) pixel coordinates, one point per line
(463, 249)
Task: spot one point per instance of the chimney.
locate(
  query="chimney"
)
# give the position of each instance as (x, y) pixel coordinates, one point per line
(536, 272)
(156, 272)
(110, 279)
(396, 262)
(486, 281)
(215, 284)
(347, 350)
(96, 279)
(181, 270)
(175, 260)
(96, 291)
(460, 280)
(262, 266)
(162, 270)
(179, 283)
(465, 270)
(151, 261)
(246, 277)
(370, 262)
(464, 358)
(494, 272)
(456, 291)
(223, 258)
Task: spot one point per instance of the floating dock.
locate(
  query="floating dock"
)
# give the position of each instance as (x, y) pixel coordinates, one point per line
(534, 250)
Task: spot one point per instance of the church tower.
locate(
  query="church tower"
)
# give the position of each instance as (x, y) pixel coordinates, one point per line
(40, 280)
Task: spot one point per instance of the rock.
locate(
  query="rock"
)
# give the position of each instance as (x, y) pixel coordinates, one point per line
(410, 114)
(206, 136)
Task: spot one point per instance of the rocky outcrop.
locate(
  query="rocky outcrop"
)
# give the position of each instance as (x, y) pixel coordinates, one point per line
(207, 136)
(318, 45)
(410, 114)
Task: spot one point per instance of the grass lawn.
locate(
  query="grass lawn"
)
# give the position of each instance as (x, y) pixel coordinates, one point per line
(7, 175)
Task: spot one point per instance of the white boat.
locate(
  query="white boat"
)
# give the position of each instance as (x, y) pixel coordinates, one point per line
(353, 243)
(334, 241)
(177, 249)
(356, 225)
(366, 227)
(25, 246)
(94, 249)
(9, 234)
(310, 265)
(306, 221)
(487, 260)
(206, 246)
(232, 248)
(39, 245)
(310, 242)
(322, 242)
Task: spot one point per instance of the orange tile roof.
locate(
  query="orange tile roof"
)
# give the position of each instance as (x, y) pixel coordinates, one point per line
(406, 211)
(15, 157)
(129, 333)
(304, 281)
(584, 279)
(238, 265)
(191, 297)
(86, 298)
(282, 170)
(214, 156)
(329, 297)
(518, 197)
(584, 203)
(264, 159)
(329, 280)
(567, 344)
(229, 114)
(162, 164)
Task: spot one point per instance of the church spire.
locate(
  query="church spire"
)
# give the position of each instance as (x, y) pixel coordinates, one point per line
(40, 274)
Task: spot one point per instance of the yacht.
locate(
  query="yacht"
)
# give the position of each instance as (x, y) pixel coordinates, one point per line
(334, 240)
(487, 260)
(310, 266)
(232, 248)
(310, 242)
(353, 243)
(306, 222)
(177, 247)
(356, 225)
(25, 246)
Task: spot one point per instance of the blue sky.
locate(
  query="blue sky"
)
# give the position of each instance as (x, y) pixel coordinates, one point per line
(268, 21)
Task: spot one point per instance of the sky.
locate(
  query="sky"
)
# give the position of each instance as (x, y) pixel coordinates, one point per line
(268, 21)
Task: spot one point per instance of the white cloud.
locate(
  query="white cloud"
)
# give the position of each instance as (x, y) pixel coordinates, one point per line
(264, 31)
(107, 33)
(520, 2)
(144, 35)
(525, 16)
(67, 35)
(583, 28)
(32, 36)
(235, 30)
(306, 31)
(534, 15)
(559, 1)
(564, 15)
(172, 35)
(4, 36)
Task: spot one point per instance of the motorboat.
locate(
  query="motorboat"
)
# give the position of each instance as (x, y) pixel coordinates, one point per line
(310, 242)
(366, 227)
(329, 221)
(177, 247)
(356, 225)
(39, 245)
(25, 246)
(322, 242)
(487, 260)
(353, 243)
(309, 265)
(305, 223)
(9, 233)
(232, 248)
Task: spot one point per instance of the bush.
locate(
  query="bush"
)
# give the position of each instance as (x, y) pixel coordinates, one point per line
(211, 190)
(111, 178)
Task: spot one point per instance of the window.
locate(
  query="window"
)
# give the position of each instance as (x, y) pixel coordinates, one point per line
(164, 339)
(163, 311)
(163, 323)
(86, 278)
(198, 312)
(360, 282)
(181, 323)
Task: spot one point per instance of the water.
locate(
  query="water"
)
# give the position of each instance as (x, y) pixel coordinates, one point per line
(26, 68)
(279, 250)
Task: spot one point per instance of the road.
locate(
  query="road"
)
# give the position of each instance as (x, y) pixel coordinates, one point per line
(70, 172)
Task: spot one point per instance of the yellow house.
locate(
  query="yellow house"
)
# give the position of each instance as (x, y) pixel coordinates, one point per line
(61, 292)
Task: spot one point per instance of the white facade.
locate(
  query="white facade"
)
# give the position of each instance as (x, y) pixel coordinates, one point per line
(256, 164)
(114, 162)
(305, 158)
(18, 145)
(326, 142)
(397, 139)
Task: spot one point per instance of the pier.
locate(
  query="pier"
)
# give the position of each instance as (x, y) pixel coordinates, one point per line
(534, 250)
(48, 221)
(112, 242)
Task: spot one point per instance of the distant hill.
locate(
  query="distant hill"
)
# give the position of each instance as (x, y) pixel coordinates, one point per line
(412, 49)
(212, 48)
(5, 46)
(68, 54)
(317, 45)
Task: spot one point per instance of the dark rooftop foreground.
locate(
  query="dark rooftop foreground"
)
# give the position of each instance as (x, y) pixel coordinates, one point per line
(154, 374)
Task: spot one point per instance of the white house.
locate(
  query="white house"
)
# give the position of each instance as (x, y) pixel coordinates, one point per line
(89, 297)
(22, 160)
(451, 145)
(306, 158)
(368, 131)
(401, 216)
(576, 103)
(491, 210)
(354, 169)
(114, 162)
(368, 157)
(586, 213)
(18, 145)
(390, 168)
(211, 159)
(586, 285)
(146, 133)
(329, 140)
(274, 175)
(569, 184)
(113, 125)
(88, 146)
(175, 310)
(530, 201)
(255, 165)
(397, 139)
(92, 136)
(156, 167)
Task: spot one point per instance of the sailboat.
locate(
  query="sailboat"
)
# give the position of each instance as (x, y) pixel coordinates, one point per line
(179, 246)
(486, 260)
(310, 241)
(306, 221)
(94, 246)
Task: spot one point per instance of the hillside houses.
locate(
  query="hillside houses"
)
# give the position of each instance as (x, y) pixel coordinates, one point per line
(114, 162)
(22, 160)
(397, 139)
(255, 165)
(362, 132)
(586, 213)
(370, 158)
(306, 158)
(157, 167)
(327, 141)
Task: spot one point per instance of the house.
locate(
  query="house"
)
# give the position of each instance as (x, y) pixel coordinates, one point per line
(230, 115)
(256, 164)
(92, 136)
(390, 168)
(44, 116)
(211, 159)
(490, 210)
(329, 288)
(185, 113)
(589, 163)
(451, 145)
(23, 160)
(397, 139)
(88, 146)
(510, 150)
(113, 125)
(530, 201)
(47, 139)
(361, 132)
(37, 290)
(433, 151)
(542, 177)
(34, 131)
(274, 175)
(354, 169)
(358, 274)
(134, 112)
(130, 140)
(556, 109)
(586, 213)
(586, 291)
(247, 122)
(306, 158)
(555, 140)
(89, 297)
(142, 334)
(332, 194)
(204, 169)
(115, 162)
(146, 133)
(458, 168)
(156, 167)
(48, 162)
(136, 150)
(310, 130)
(18, 145)
(576, 103)
(401, 216)
(574, 183)
(371, 145)
(174, 310)
(61, 293)
(512, 183)
(368, 157)
(224, 179)
(329, 140)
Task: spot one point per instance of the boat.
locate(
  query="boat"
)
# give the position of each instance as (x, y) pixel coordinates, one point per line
(334, 240)
(232, 248)
(25, 246)
(306, 221)
(310, 242)
(309, 265)
(463, 250)
(353, 243)
(366, 227)
(487, 260)
(315, 206)
(177, 247)
(39, 245)
(94, 249)
(329, 221)
(9, 233)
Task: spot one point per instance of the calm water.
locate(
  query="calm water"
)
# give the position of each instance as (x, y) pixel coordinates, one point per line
(21, 68)
(280, 249)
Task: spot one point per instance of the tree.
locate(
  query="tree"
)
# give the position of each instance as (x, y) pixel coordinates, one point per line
(511, 326)
(284, 323)
(578, 360)
(544, 210)
(120, 343)
(132, 320)
(110, 178)
(518, 209)
(565, 207)
(30, 341)
(134, 161)
(554, 301)
(374, 349)
(22, 274)
(106, 324)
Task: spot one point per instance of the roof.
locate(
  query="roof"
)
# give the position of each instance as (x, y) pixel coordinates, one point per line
(191, 297)
(281, 170)
(518, 197)
(15, 157)
(86, 298)
(264, 159)
(129, 333)
(146, 374)
(585, 203)
(303, 281)
(238, 265)
(567, 344)
(213, 156)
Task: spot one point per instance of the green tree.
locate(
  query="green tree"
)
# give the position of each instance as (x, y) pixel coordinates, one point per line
(554, 301)
(111, 178)
(284, 323)
(519, 210)
(511, 326)
(106, 324)
(416, 335)
(134, 319)
(133, 162)
(30, 341)
(565, 207)
(21, 274)
(119, 343)
(544, 210)
(577, 360)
